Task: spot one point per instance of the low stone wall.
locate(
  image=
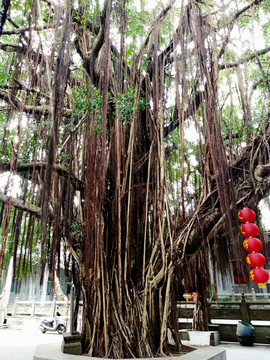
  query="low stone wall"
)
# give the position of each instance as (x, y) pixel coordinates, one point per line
(53, 351)
(227, 332)
(224, 315)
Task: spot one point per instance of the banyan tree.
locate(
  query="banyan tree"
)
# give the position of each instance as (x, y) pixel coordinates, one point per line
(131, 133)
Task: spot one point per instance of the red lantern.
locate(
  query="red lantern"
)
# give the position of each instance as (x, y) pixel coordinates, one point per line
(249, 229)
(259, 275)
(252, 244)
(246, 215)
(255, 259)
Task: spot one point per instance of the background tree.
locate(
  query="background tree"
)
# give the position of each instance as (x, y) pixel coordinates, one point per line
(97, 101)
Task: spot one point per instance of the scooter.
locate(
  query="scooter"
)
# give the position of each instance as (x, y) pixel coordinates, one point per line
(56, 324)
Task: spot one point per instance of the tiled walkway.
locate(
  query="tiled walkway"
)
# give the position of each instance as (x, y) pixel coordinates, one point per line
(235, 351)
(21, 345)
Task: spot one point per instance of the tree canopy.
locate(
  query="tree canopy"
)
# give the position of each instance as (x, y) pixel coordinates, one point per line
(135, 132)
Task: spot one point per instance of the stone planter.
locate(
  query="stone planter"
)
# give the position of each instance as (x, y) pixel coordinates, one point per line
(199, 338)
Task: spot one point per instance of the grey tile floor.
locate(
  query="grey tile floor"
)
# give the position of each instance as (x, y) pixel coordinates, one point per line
(235, 351)
(21, 345)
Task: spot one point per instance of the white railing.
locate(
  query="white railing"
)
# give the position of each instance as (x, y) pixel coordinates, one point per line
(36, 308)
(253, 296)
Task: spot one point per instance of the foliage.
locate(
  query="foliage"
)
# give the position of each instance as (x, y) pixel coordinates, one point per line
(76, 229)
(225, 298)
(126, 104)
(86, 100)
(135, 129)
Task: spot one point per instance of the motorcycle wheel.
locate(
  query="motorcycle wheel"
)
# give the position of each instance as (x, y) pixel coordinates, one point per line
(61, 329)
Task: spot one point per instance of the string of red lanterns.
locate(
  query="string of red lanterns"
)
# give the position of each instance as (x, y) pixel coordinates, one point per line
(253, 245)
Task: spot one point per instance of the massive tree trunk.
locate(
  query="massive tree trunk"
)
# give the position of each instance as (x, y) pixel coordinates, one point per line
(110, 166)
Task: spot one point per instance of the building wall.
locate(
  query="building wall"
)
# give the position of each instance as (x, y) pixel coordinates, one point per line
(29, 286)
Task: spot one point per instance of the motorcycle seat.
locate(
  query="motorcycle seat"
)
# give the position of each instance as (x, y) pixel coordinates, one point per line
(50, 323)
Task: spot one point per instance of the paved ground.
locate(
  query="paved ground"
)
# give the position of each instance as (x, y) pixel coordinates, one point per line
(235, 351)
(21, 345)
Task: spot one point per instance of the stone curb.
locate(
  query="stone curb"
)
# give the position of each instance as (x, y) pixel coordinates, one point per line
(54, 352)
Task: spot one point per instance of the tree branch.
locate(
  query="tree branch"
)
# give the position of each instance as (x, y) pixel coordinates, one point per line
(59, 169)
(262, 172)
(10, 47)
(190, 110)
(37, 57)
(20, 204)
(3, 14)
(232, 22)
(18, 31)
(162, 14)
(29, 109)
(243, 60)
